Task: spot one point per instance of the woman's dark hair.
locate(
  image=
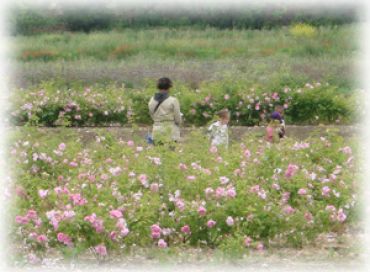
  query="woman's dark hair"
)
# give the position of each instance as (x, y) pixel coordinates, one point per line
(164, 83)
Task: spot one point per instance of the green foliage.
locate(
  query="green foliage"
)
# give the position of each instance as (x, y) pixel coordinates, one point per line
(28, 21)
(258, 209)
(249, 105)
(186, 43)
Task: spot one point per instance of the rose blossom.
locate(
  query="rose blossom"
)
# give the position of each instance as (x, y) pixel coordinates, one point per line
(115, 213)
(224, 180)
(154, 187)
(191, 178)
(211, 223)
(247, 241)
(260, 246)
(185, 229)
(101, 250)
(62, 146)
(291, 170)
(42, 238)
(64, 238)
(341, 216)
(230, 221)
(288, 210)
(162, 243)
(202, 211)
(156, 231)
(43, 193)
(302, 191)
(231, 192)
(213, 149)
(325, 191)
(208, 191)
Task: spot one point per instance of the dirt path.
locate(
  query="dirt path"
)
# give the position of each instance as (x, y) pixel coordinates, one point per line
(236, 132)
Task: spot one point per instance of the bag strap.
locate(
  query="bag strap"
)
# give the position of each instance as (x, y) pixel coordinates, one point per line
(159, 103)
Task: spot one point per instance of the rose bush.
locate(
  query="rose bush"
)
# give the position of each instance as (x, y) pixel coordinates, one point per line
(107, 195)
(49, 105)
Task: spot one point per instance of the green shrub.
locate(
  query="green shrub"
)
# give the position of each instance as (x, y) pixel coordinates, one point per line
(102, 105)
(266, 203)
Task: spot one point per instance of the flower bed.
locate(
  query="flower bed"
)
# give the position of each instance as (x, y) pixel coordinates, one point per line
(49, 105)
(110, 195)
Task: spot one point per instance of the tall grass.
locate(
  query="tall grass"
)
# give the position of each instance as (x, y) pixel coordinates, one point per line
(268, 57)
(187, 43)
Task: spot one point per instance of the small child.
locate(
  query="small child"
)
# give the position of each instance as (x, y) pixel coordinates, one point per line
(277, 123)
(218, 130)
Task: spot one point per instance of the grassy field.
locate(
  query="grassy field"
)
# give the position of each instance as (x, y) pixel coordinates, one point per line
(299, 53)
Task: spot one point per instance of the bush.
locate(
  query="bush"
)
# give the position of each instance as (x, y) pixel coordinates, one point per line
(27, 21)
(303, 30)
(84, 192)
(96, 105)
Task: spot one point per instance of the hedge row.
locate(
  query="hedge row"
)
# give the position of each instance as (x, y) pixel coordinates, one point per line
(315, 103)
(28, 20)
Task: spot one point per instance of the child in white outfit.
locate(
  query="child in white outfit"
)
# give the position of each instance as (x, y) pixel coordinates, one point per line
(219, 131)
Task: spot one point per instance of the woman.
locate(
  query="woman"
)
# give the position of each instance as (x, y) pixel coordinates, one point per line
(165, 112)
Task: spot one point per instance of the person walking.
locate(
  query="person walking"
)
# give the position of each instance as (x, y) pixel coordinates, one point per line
(165, 112)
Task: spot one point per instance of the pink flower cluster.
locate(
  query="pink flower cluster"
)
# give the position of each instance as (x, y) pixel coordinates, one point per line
(78, 199)
(64, 238)
(31, 216)
(101, 250)
(259, 191)
(336, 215)
(96, 222)
(220, 192)
(291, 170)
(301, 145)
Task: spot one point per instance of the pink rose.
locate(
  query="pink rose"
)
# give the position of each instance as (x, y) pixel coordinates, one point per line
(247, 153)
(229, 221)
(341, 216)
(31, 214)
(101, 250)
(308, 216)
(211, 223)
(224, 180)
(213, 149)
(64, 238)
(231, 192)
(115, 213)
(43, 193)
(291, 170)
(185, 229)
(202, 211)
(42, 238)
(191, 178)
(162, 243)
(247, 241)
(260, 247)
(288, 210)
(21, 220)
(325, 191)
(208, 191)
(62, 146)
(154, 187)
